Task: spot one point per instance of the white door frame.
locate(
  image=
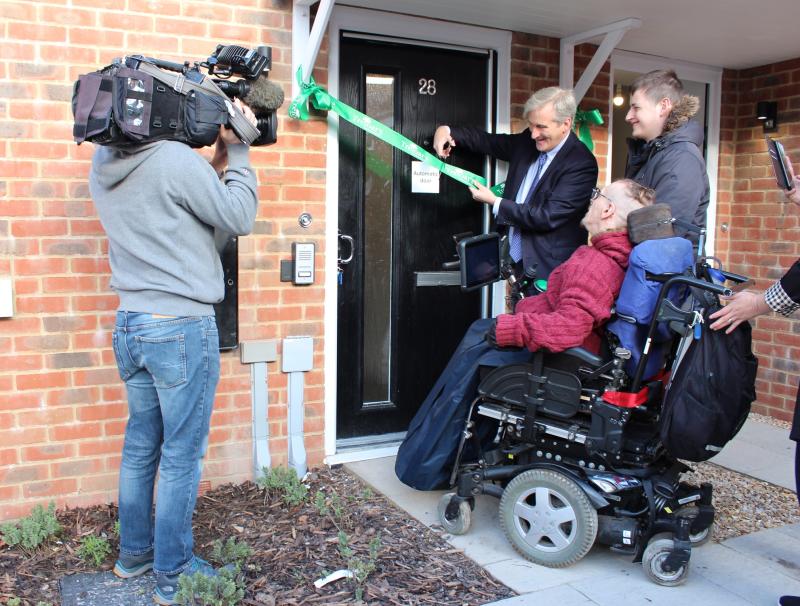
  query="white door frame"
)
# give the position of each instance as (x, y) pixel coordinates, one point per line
(418, 31)
(635, 62)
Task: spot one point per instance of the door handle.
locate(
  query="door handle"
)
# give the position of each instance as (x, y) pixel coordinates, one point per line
(349, 240)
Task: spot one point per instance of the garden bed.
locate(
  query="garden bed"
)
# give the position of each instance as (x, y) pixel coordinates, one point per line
(292, 547)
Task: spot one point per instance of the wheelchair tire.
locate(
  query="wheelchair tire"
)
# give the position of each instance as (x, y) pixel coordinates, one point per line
(699, 538)
(548, 518)
(658, 548)
(459, 524)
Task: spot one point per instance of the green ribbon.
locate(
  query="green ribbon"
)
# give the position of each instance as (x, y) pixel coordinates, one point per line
(321, 99)
(583, 122)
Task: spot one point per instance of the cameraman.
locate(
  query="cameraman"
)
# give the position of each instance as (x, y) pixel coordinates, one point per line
(160, 204)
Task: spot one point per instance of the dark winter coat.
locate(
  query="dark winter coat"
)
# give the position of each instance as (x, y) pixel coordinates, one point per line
(673, 165)
(550, 219)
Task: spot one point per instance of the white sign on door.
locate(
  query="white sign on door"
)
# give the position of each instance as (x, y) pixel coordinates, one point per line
(424, 178)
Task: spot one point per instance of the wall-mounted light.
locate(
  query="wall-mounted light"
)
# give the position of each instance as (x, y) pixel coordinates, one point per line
(767, 113)
(618, 99)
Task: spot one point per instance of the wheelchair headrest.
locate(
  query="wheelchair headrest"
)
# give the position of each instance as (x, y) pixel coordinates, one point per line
(650, 223)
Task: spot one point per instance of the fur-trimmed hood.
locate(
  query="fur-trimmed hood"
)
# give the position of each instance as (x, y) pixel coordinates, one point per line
(683, 111)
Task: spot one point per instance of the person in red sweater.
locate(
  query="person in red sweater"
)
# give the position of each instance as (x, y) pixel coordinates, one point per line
(580, 293)
(582, 290)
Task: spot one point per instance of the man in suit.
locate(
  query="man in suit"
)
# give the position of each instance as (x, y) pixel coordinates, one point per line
(550, 179)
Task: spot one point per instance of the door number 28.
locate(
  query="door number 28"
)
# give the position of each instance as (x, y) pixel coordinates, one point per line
(427, 86)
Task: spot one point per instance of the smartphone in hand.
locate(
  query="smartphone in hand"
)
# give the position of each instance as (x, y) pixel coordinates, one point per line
(779, 164)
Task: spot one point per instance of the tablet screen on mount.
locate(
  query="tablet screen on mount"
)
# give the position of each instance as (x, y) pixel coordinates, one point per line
(779, 163)
(480, 260)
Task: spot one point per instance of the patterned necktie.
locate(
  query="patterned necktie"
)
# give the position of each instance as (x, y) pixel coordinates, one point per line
(531, 179)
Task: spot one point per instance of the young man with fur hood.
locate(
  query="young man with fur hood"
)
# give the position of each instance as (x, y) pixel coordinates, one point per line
(666, 151)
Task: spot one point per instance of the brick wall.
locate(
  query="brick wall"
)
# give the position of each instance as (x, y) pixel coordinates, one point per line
(62, 406)
(763, 237)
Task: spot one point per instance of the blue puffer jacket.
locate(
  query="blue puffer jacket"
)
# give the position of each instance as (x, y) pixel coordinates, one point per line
(673, 165)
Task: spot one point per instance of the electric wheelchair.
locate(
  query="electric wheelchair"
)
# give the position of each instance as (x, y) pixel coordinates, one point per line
(569, 442)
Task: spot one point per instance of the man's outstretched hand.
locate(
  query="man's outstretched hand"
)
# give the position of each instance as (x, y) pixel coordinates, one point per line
(443, 143)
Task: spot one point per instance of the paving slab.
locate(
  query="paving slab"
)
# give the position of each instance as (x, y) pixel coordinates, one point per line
(773, 548)
(745, 571)
(563, 595)
(105, 589)
(763, 451)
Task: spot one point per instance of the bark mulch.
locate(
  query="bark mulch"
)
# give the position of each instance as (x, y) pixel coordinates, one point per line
(292, 547)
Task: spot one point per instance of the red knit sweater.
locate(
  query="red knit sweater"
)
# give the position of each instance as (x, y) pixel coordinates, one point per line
(580, 294)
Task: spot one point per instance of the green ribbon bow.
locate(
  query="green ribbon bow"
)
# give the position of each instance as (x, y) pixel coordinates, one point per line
(322, 100)
(583, 122)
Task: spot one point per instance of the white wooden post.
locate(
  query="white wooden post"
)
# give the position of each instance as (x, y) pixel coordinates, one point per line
(566, 70)
(305, 45)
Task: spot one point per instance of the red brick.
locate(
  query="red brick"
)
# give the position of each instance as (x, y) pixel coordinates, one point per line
(48, 452)
(87, 448)
(50, 488)
(21, 362)
(41, 266)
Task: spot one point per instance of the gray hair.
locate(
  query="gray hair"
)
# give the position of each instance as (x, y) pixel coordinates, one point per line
(563, 102)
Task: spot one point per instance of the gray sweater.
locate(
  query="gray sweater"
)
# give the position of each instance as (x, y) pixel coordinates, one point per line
(160, 205)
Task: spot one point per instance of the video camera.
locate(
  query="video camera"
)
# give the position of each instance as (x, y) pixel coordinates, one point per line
(140, 99)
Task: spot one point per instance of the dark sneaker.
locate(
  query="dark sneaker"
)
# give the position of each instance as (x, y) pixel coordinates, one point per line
(167, 584)
(789, 600)
(129, 566)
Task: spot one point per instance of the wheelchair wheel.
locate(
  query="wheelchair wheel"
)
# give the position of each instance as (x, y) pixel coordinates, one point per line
(698, 538)
(658, 548)
(701, 538)
(548, 518)
(454, 524)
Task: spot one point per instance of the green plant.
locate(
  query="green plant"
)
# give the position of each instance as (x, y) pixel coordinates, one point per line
(224, 589)
(361, 569)
(230, 552)
(284, 480)
(116, 528)
(94, 549)
(13, 602)
(332, 506)
(321, 503)
(34, 530)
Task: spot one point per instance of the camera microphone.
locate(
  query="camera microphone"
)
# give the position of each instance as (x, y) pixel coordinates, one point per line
(264, 95)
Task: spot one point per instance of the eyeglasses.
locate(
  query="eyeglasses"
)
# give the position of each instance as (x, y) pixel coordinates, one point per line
(597, 193)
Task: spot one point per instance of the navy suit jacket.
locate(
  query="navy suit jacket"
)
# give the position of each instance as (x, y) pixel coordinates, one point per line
(550, 217)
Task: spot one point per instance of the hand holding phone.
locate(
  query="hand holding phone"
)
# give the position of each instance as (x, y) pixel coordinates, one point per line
(780, 164)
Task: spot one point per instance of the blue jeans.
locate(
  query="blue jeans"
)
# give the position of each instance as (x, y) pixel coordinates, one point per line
(170, 367)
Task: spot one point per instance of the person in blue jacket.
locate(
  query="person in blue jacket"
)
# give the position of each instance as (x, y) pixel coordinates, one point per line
(666, 151)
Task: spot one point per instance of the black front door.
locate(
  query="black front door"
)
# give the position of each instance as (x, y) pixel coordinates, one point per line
(395, 335)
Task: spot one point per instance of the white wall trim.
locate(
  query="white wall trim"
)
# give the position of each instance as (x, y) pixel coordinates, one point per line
(636, 62)
(348, 456)
(417, 30)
